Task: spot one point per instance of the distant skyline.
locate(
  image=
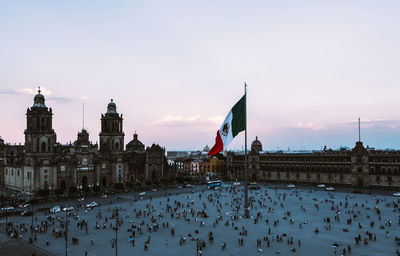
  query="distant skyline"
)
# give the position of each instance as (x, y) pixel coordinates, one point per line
(175, 68)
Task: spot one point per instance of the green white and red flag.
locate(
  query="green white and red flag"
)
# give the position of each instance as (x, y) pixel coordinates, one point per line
(234, 123)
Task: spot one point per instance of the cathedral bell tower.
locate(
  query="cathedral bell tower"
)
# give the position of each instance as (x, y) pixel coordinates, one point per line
(39, 134)
(111, 135)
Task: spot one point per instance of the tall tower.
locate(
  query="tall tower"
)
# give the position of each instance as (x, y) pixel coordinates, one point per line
(39, 134)
(111, 135)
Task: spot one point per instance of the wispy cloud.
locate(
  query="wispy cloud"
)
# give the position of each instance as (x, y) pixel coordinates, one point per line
(33, 91)
(46, 92)
(311, 126)
(377, 123)
(196, 122)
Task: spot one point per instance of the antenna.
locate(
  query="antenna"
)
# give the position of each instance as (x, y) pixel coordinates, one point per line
(359, 131)
(83, 113)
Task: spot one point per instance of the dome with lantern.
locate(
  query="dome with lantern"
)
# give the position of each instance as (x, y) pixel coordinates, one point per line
(256, 145)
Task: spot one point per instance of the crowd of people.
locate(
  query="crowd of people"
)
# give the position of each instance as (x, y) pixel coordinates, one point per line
(218, 215)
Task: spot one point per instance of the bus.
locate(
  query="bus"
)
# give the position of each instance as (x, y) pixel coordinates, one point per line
(215, 184)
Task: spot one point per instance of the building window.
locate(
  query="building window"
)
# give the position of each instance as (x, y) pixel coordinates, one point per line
(45, 170)
(18, 173)
(45, 177)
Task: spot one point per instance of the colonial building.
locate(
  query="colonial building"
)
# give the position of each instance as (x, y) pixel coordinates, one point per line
(358, 167)
(42, 163)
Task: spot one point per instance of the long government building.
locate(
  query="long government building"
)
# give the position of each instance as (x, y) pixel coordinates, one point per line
(359, 167)
(42, 163)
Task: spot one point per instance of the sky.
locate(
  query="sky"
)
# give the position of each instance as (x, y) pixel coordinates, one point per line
(175, 68)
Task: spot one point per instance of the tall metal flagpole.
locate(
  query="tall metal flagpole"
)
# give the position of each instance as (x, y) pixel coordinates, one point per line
(246, 186)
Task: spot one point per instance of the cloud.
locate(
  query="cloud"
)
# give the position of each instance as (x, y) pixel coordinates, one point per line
(196, 122)
(33, 91)
(46, 92)
(377, 123)
(311, 126)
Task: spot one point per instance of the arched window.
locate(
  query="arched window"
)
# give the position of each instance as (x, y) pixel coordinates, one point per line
(116, 146)
(43, 146)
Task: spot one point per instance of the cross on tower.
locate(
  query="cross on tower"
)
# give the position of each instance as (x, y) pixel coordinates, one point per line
(39, 90)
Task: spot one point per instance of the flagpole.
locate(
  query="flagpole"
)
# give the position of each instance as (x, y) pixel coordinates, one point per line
(246, 186)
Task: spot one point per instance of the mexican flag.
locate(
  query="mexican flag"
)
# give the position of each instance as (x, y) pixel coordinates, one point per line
(234, 123)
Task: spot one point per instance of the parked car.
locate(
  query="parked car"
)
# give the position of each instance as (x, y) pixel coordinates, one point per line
(330, 188)
(23, 205)
(396, 194)
(7, 208)
(26, 213)
(142, 193)
(55, 209)
(321, 185)
(154, 190)
(91, 205)
(236, 183)
(68, 208)
(103, 196)
(81, 199)
(291, 186)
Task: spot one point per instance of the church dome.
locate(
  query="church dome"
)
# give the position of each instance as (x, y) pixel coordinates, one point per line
(39, 100)
(135, 144)
(111, 107)
(256, 145)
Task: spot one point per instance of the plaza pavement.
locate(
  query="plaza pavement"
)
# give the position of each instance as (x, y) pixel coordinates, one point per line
(291, 213)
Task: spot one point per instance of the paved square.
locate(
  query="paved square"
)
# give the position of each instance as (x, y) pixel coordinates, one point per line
(284, 221)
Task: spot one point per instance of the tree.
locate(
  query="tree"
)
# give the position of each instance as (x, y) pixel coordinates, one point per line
(119, 186)
(96, 188)
(44, 192)
(180, 179)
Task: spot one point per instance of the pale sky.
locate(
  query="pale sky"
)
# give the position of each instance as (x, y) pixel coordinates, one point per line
(175, 68)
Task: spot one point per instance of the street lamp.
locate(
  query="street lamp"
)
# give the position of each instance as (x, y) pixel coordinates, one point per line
(66, 233)
(30, 197)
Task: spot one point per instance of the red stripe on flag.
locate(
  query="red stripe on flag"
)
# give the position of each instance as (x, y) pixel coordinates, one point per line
(218, 147)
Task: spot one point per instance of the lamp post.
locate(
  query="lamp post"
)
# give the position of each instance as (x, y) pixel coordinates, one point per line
(30, 197)
(66, 233)
(6, 210)
(116, 231)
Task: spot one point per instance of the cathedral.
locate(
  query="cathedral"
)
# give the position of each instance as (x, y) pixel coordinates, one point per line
(44, 164)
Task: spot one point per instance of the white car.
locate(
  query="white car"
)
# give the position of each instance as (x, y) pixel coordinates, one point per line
(23, 205)
(104, 196)
(91, 205)
(321, 185)
(396, 194)
(68, 208)
(291, 186)
(7, 208)
(81, 199)
(142, 193)
(330, 188)
(154, 190)
(55, 209)
(236, 183)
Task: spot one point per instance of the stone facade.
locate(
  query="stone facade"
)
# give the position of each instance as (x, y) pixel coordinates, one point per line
(359, 167)
(42, 163)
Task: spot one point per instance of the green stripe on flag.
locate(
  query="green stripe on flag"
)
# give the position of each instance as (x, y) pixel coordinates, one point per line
(239, 116)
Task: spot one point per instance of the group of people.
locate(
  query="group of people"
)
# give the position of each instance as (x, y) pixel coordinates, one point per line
(204, 211)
